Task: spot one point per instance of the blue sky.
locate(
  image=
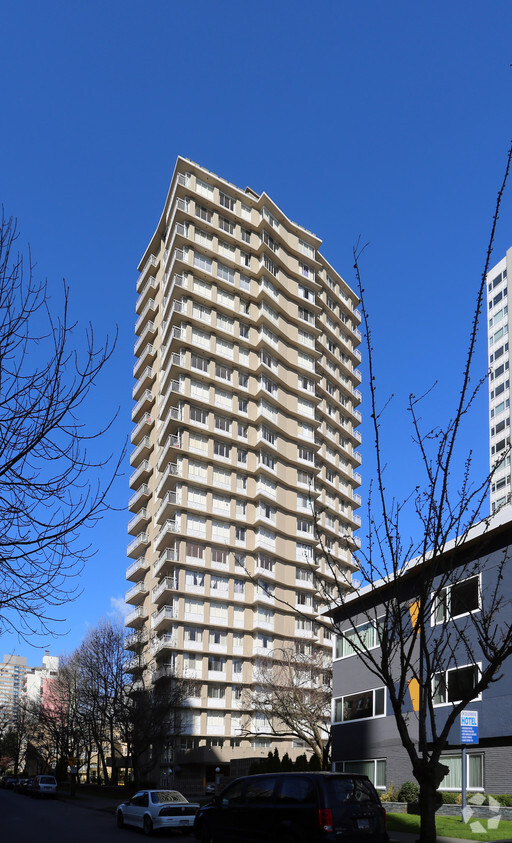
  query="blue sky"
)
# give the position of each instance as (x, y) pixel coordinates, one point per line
(385, 120)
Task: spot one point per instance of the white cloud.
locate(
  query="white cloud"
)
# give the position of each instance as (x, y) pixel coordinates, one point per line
(118, 607)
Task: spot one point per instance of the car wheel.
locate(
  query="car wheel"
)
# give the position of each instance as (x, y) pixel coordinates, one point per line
(147, 825)
(120, 819)
(205, 837)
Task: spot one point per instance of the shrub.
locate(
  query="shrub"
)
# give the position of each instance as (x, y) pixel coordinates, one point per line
(391, 794)
(409, 792)
(449, 798)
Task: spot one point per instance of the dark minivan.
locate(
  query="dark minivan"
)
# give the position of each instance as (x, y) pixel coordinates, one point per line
(294, 808)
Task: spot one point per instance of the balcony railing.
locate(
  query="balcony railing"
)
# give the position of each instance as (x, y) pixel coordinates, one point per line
(163, 616)
(167, 584)
(135, 618)
(140, 566)
(141, 493)
(141, 541)
(144, 403)
(165, 562)
(143, 468)
(136, 593)
(151, 262)
(163, 642)
(152, 308)
(141, 516)
(150, 331)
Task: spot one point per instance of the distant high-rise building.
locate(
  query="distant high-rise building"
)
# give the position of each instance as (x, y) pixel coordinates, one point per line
(245, 413)
(19, 683)
(498, 330)
(13, 683)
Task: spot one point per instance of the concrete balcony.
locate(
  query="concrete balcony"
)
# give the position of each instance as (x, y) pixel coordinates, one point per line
(164, 590)
(163, 618)
(137, 593)
(144, 382)
(143, 405)
(136, 618)
(149, 288)
(175, 390)
(142, 451)
(172, 470)
(138, 522)
(141, 474)
(142, 429)
(139, 544)
(140, 497)
(166, 562)
(148, 335)
(146, 358)
(168, 506)
(165, 671)
(165, 425)
(134, 665)
(166, 535)
(163, 643)
(148, 313)
(150, 264)
(137, 569)
(135, 641)
(172, 443)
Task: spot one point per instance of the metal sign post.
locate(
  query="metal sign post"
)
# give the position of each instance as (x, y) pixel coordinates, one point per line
(468, 735)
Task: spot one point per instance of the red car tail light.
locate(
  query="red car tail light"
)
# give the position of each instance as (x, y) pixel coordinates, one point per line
(325, 819)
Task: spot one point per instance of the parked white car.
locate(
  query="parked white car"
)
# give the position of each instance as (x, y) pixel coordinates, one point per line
(154, 809)
(43, 786)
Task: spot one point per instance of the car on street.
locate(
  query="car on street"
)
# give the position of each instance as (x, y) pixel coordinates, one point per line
(155, 809)
(43, 785)
(294, 808)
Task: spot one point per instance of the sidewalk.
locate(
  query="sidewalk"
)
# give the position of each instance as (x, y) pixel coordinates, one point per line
(407, 837)
(107, 804)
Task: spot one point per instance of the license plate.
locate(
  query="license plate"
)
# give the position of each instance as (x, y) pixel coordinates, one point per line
(363, 825)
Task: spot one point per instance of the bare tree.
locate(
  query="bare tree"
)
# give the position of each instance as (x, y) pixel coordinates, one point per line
(403, 596)
(292, 689)
(102, 680)
(50, 486)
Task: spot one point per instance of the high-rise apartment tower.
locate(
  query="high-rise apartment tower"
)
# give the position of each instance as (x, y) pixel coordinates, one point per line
(498, 328)
(245, 414)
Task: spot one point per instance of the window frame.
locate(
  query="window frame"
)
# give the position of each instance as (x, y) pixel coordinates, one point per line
(437, 601)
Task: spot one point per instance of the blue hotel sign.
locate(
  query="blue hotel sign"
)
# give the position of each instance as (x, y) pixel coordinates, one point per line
(469, 727)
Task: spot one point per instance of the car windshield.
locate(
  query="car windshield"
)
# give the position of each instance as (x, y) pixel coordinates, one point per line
(159, 796)
(47, 780)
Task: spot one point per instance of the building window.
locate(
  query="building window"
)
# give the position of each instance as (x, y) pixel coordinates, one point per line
(220, 449)
(243, 405)
(267, 460)
(375, 769)
(451, 686)
(364, 636)
(198, 416)
(474, 772)
(457, 599)
(362, 706)
(202, 262)
(240, 534)
(226, 201)
(226, 225)
(203, 213)
(217, 663)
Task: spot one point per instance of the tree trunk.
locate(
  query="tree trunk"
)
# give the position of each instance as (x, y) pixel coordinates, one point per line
(428, 805)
